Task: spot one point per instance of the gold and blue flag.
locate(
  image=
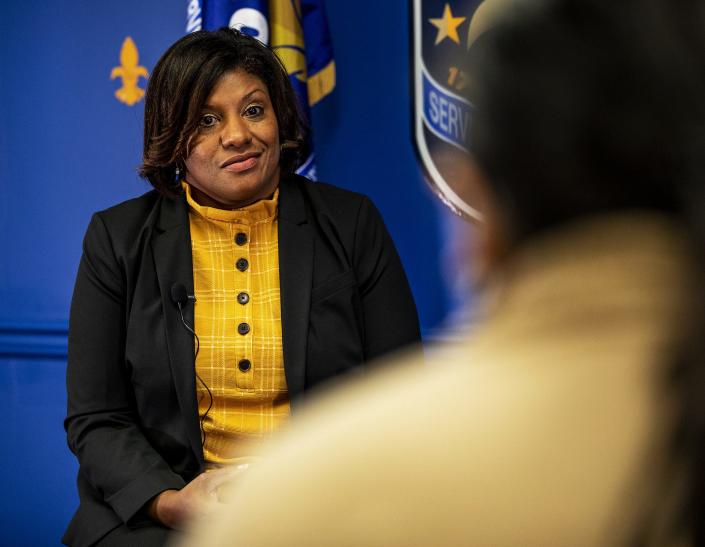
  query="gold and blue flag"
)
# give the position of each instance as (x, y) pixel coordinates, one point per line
(297, 30)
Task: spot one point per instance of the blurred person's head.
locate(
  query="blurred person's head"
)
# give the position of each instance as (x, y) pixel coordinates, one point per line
(586, 108)
(220, 112)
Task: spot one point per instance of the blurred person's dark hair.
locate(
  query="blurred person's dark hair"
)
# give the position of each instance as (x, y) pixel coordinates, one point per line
(180, 84)
(590, 107)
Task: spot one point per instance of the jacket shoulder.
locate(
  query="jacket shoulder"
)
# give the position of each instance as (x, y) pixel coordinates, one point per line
(132, 210)
(339, 202)
(128, 224)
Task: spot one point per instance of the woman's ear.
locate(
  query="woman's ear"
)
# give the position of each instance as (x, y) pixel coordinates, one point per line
(489, 243)
(485, 244)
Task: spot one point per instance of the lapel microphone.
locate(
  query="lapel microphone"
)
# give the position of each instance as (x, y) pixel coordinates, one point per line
(180, 297)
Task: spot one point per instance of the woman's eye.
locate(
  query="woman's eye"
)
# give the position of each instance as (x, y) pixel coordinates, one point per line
(254, 111)
(208, 120)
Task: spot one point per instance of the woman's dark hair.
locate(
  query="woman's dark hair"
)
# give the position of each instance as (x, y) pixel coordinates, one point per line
(586, 107)
(180, 85)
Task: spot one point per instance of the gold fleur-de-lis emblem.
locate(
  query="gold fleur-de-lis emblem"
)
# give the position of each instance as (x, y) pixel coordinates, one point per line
(130, 72)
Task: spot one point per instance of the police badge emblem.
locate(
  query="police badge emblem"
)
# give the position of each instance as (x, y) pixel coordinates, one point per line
(442, 34)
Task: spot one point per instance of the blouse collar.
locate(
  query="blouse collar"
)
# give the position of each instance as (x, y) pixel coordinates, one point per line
(262, 210)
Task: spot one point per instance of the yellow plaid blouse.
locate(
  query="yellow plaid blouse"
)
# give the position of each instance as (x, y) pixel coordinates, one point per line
(238, 323)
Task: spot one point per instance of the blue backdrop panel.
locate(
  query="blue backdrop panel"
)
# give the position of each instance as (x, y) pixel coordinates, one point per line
(362, 136)
(68, 147)
(37, 472)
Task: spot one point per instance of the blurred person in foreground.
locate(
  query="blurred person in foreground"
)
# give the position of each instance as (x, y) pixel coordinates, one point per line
(574, 414)
(204, 309)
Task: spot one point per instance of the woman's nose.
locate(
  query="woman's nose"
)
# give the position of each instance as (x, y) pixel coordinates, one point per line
(235, 133)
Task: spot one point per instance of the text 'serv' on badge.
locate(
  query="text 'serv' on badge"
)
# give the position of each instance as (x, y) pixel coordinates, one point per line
(442, 34)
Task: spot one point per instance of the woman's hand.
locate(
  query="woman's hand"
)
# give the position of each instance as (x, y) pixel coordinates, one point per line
(174, 508)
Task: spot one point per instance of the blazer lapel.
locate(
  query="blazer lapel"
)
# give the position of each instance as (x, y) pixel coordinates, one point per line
(171, 246)
(295, 275)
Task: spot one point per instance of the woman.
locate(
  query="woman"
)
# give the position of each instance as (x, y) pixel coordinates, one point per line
(574, 414)
(286, 284)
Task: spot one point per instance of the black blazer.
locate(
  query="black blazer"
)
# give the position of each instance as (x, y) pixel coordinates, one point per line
(132, 412)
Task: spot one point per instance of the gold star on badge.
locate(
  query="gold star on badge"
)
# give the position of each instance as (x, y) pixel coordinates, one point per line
(447, 26)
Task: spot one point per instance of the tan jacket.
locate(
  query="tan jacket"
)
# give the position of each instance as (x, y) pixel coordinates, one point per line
(544, 428)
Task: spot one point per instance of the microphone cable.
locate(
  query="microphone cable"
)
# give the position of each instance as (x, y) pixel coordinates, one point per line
(198, 347)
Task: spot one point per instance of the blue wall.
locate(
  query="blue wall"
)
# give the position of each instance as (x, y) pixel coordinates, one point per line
(37, 470)
(69, 148)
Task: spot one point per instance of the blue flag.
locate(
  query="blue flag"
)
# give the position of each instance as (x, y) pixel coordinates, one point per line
(297, 30)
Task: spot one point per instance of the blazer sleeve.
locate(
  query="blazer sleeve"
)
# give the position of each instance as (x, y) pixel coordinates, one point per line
(390, 318)
(102, 425)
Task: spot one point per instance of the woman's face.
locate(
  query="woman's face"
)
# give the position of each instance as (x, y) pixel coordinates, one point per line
(234, 156)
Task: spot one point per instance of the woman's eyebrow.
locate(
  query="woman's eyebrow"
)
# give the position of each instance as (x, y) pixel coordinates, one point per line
(251, 93)
(244, 99)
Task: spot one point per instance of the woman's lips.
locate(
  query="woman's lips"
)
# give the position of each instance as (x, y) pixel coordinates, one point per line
(244, 165)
